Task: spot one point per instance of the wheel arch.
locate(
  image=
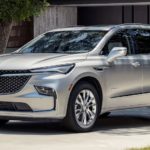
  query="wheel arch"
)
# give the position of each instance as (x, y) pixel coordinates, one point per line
(94, 81)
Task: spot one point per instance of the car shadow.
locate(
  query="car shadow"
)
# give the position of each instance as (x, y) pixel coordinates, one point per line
(114, 124)
(123, 125)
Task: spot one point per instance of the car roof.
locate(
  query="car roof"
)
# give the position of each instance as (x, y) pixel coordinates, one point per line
(103, 27)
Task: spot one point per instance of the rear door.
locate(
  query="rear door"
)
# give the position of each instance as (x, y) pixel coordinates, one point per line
(142, 49)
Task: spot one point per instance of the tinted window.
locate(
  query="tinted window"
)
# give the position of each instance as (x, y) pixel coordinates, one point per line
(120, 39)
(64, 42)
(141, 41)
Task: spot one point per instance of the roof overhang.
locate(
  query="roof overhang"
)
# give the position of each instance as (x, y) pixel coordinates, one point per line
(99, 2)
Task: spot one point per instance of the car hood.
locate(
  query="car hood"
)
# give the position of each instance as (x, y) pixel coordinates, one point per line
(30, 61)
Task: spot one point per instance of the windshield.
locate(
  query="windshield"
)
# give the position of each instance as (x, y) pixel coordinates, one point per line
(64, 42)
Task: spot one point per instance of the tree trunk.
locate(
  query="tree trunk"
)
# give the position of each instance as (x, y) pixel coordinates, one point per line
(5, 29)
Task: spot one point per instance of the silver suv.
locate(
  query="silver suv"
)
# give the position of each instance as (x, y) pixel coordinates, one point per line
(77, 74)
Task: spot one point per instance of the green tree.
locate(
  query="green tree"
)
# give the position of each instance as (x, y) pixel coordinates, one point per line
(16, 11)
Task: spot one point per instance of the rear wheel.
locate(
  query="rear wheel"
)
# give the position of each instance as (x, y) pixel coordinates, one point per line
(83, 108)
(3, 122)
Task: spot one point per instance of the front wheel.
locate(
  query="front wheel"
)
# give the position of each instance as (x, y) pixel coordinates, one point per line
(83, 108)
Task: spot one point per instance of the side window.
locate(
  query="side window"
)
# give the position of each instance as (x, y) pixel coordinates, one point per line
(120, 39)
(141, 41)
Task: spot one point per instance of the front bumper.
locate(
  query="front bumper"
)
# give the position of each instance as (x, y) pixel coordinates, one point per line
(43, 107)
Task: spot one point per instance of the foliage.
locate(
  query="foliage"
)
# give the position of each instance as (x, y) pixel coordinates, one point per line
(20, 10)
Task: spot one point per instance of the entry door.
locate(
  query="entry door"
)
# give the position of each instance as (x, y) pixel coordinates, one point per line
(142, 48)
(124, 76)
(146, 79)
(124, 82)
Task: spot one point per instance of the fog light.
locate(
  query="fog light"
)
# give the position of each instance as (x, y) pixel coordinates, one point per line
(46, 91)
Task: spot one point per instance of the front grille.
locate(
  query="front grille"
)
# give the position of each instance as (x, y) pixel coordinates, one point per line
(14, 106)
(12, 84)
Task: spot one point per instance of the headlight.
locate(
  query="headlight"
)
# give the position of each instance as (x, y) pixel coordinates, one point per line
(63, 69)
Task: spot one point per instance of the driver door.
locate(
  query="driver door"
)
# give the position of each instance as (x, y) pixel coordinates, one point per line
(124, 75)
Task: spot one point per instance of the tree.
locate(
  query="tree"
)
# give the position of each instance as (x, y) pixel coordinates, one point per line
(16, 11)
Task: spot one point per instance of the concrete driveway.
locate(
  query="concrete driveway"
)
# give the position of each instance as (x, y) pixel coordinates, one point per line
(122, 130)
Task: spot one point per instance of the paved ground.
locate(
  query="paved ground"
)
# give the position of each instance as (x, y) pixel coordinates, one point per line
(123, 129)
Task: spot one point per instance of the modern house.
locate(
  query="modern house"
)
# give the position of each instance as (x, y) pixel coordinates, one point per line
(64, 13)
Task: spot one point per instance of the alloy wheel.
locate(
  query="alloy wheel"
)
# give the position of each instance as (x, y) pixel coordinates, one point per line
(85, 108)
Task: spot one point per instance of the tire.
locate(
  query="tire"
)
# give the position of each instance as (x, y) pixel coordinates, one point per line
(3, 122)
(81, 117)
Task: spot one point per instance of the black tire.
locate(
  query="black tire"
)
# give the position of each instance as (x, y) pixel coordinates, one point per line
(3, 122)
(70, 120)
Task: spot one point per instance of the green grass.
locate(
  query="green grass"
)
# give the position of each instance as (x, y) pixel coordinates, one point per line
(146, 148)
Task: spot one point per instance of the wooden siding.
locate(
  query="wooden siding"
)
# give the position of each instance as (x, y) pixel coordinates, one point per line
(55, 17)
(20, 34)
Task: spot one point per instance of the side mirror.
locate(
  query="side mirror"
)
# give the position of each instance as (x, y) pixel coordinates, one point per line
(115, 53)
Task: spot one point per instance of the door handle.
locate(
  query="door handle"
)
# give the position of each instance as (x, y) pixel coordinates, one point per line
(135, 64)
